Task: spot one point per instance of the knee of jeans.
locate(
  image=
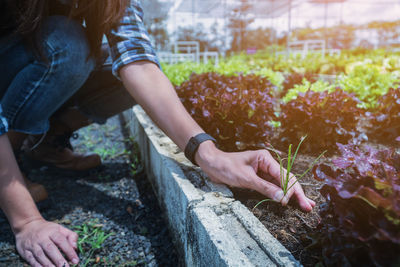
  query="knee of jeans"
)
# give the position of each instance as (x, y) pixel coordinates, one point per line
(66, 42)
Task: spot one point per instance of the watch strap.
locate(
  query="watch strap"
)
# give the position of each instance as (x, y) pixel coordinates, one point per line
(194, 143)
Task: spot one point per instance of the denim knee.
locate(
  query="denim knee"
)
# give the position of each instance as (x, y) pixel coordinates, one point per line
(65, 40)
(41, 87)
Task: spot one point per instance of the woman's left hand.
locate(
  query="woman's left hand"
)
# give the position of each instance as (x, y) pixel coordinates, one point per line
(249, 169)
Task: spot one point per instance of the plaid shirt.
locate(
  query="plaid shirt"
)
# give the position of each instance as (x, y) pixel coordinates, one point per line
(129, 40)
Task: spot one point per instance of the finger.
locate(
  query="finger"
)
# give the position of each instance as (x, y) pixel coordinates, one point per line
(266, 188)
(296, 189)
(40, 256)
(61, 241)
(304, 202)
(54, 254)
(312, 202)
(269, 165)
(71, 236)
(31, 259)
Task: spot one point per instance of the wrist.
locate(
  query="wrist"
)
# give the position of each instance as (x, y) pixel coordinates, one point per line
(206, 153)
(18, 227)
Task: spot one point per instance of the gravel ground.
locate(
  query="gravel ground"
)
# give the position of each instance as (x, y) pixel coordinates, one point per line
(114, 200)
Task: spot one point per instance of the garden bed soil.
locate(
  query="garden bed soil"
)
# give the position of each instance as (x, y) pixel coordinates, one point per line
(296, 230)
(112, 197)
(292, 227)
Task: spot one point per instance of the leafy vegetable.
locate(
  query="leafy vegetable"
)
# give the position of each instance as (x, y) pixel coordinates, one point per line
(319, 86)
(235, 110)
(326, 117)
(361, 220)
(386, 119)
(181, 72)
(295, 78)
(368, 82)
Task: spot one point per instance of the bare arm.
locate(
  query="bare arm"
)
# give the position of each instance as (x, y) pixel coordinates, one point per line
(153, 91)
(15, 200)
(38, 241)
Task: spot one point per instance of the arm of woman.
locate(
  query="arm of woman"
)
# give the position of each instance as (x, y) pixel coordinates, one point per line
(37, 240)
(153, 91)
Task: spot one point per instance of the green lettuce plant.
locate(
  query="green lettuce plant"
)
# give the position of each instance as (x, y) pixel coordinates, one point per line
(368, 82)
(318, 86)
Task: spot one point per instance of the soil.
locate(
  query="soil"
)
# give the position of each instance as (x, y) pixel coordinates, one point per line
(296, 230)
(292, 227)
(116, 197)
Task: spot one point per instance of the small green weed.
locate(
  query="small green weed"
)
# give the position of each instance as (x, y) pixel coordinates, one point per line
(91, 239)
(134, 155)
(286, 177)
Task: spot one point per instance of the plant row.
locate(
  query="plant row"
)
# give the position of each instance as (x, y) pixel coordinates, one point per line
(266, 64)
(242, 112)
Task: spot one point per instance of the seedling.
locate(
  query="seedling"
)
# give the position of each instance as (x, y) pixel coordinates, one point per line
(285, 176)
(91, 239)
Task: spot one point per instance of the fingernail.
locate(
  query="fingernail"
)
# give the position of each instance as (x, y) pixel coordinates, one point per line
(278, 196)
(285, 200)
(75, 261)
(308, 208)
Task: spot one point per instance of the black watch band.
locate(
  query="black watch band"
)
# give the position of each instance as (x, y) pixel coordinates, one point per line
(193, 145)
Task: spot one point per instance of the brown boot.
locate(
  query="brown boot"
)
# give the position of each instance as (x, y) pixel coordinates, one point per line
(37, 191)
(52, 151)
(55, 149)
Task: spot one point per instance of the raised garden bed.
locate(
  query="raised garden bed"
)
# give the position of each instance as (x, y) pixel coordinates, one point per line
(238, 111)
(210, 228)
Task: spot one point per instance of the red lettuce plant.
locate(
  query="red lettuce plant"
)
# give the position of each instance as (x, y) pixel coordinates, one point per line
(294, 78)
(386, 119)
(235, 110)
(325, 117)
(361, 219)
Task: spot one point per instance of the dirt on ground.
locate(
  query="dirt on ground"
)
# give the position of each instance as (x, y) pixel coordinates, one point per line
(292, 227)
(115, 200)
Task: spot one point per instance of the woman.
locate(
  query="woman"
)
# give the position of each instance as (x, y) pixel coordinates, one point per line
(53, 73)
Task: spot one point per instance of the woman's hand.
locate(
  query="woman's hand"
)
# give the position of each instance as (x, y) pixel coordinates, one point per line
(39, 242)
(249, 169)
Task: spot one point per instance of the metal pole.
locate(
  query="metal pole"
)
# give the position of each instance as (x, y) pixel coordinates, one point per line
(326, 22)
(193, 10)
(341, 13)
(272, 27)
(226, 26)
(289, 25)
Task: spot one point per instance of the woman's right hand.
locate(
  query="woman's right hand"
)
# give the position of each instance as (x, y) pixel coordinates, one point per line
(39, 242)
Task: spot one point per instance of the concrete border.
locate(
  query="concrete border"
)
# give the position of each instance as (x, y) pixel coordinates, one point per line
(209, 227)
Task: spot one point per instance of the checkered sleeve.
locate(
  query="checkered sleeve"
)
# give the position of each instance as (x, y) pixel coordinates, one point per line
(129, 40)
(3, 123)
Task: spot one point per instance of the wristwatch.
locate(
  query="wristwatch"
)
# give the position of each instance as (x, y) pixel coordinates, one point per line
(194, 143)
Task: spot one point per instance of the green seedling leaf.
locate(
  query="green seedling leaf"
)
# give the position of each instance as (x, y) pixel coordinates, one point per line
(285, 176)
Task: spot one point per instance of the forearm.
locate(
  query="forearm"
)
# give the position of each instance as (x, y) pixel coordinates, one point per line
(15, 200)
(153, 91)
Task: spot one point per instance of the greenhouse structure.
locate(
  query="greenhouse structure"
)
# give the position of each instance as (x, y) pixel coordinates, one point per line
(200, 133)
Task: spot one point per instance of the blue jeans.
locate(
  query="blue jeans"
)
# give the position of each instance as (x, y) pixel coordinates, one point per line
(33, 89)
